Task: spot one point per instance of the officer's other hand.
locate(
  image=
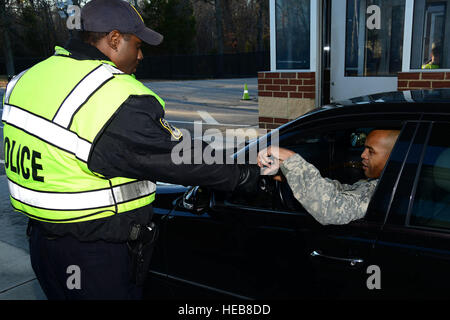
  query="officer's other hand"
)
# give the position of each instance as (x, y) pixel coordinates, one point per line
(196, 199)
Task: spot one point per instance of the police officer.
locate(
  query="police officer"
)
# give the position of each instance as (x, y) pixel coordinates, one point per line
(85, 143)
(329, 201)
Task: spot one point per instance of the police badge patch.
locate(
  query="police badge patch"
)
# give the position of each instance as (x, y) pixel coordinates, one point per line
(175, 132)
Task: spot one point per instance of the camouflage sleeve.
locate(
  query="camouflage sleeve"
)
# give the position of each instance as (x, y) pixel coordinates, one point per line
(328, 201)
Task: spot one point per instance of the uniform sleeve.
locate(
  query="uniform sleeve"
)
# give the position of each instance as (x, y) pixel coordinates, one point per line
(137, 143)
(328, 201)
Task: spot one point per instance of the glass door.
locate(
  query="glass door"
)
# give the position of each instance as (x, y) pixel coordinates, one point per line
(366, 46)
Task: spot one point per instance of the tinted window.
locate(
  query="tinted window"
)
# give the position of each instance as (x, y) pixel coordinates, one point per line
(430, 44)
(408, 168)
(383, 197)
(335, 153)
(293, 33)
(431, 206)
(371, 49)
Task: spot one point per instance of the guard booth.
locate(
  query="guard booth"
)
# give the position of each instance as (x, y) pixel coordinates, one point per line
(332, 50)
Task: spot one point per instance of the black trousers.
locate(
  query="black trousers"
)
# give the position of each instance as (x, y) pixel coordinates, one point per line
(68, 269)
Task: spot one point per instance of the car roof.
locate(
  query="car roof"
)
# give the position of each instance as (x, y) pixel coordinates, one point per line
(401, 97)
(413, 101)
(392, 107)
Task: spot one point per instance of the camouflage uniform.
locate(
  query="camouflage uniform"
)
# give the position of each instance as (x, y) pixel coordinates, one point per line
(328, 201)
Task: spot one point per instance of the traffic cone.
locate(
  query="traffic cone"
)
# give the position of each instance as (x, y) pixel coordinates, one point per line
(245, 96)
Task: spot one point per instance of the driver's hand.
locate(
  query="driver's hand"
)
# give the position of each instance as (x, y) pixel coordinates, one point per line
(270, 158)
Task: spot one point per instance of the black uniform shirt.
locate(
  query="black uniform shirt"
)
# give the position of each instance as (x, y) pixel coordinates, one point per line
(135, 144)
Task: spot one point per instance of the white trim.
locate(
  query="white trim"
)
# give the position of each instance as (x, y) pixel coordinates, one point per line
(273, 32)
(407, 35)
(10, 86)
(313, 24)
(312, 40)
(81, 200)
(47, 131)
(319, 54)
(80, 94)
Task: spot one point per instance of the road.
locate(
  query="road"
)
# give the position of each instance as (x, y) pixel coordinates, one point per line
(215, 103)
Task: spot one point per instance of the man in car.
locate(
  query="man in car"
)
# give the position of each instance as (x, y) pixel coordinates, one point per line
(329, 201)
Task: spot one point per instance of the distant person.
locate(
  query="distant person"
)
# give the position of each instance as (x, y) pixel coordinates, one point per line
(329, 201)
(435, 59)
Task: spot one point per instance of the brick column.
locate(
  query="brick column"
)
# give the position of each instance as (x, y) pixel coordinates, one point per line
(283, 96)
(423, 80)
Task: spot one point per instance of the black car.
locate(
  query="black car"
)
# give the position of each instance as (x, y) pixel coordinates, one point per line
(266, 246)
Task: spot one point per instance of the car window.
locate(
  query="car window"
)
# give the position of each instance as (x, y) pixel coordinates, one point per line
(431, 206)
(335, 153)
(400, 161)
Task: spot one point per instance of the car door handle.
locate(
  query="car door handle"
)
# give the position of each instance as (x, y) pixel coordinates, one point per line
(353, 261)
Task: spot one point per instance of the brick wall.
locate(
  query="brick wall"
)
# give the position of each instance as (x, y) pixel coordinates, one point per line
(297, 85)
(423, 80)
(284, 96)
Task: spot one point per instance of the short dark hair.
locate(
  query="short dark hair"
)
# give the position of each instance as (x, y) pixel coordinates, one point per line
(92, 37)
(95, 37)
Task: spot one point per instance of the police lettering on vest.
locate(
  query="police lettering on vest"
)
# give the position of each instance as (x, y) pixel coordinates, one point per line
(22, 160)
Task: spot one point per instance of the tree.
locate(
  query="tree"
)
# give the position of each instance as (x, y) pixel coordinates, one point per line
(5, 18)
(174, 19)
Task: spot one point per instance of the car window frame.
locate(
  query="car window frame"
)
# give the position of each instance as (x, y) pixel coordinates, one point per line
(380, 213)
(416, 183)
(340, 122)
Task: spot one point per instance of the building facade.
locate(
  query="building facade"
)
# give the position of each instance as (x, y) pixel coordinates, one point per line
(332, 50)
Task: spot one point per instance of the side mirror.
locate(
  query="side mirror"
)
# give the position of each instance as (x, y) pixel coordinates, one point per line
(196, 200)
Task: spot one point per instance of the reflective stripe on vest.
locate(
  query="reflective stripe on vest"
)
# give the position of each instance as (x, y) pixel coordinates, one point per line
(53, 134)
(80, 94)
(47, 131)
(12, 84)
(81, 200)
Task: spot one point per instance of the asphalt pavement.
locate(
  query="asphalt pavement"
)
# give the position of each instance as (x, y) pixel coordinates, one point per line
(215, 104)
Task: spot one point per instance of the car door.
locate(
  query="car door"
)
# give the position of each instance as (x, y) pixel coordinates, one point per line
(413, 249)
(259, 246)
(342, 255)
(245, 246)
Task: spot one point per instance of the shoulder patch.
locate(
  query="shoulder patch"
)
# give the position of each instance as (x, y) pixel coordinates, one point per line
(175, 132)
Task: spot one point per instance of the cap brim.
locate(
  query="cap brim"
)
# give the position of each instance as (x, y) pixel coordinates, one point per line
(149, 36)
